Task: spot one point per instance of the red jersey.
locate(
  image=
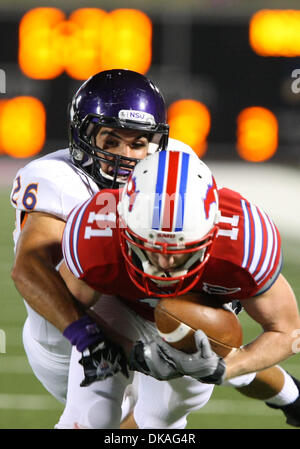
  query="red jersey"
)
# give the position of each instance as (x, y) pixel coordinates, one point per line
(245, 258)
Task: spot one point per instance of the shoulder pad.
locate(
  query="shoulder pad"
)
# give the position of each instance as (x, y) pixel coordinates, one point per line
(51, 185)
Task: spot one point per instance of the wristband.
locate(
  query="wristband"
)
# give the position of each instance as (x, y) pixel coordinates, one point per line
(83, 333)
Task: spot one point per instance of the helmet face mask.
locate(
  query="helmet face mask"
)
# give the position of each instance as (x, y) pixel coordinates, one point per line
(121, 166)
(173, 282)
(182, 229)
(116, 99)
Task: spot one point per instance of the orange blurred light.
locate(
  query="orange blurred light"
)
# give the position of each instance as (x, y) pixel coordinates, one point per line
(91, 40)
(126, 36)
(22, 126)
(37, 50)
(275, 32)
(85, 51)
(257, 134)
(190, 122)
(2, 103)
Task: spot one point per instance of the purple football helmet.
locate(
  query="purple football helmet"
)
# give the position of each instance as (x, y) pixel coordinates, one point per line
(116, 99)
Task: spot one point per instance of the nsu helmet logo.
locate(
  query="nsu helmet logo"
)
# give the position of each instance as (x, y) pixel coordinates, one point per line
(128, 114)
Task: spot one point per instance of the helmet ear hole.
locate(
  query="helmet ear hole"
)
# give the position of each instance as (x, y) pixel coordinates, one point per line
(77, 154)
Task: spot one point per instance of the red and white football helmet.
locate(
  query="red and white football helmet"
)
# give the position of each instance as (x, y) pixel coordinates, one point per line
(168, 206)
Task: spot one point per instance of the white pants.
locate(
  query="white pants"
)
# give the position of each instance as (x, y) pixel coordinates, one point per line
(160, 404)
(50, 366)
(49, 354)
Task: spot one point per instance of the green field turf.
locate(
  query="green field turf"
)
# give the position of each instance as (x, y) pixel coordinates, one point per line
(25, 404)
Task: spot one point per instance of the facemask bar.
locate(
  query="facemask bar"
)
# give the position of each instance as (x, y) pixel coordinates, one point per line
(149, 283)
(84, 145)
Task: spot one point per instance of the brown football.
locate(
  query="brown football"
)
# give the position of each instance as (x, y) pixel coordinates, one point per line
(177, 319)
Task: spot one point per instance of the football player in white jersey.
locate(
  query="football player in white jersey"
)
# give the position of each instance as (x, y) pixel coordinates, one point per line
(116, 118)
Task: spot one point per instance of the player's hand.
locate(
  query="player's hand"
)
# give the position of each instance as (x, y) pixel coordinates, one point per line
(204, 365)
(147, 358)
(102, 360)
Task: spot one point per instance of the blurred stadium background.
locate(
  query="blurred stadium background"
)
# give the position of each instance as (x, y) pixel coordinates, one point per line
(229, 73)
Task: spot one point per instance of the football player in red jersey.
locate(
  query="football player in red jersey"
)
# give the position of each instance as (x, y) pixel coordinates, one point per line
(177, 233)
(47, 189)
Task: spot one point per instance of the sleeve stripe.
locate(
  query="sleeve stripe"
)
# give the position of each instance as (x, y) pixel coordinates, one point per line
(258, 239)
(272, 279)
(70, 240)
(272, 262)
(260, 242)
(67, 244)
(76, 235)
(247, 231)
(270, 245)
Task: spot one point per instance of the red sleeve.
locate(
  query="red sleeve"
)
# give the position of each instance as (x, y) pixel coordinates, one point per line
(90, 239)
(249, 240)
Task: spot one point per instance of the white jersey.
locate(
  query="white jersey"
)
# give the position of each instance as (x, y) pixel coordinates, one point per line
(54, 185)
(50, 184)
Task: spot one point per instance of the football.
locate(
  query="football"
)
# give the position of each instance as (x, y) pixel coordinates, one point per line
(178, 318)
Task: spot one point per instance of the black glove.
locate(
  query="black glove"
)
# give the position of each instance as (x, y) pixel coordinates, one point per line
(236, 306)
(102, 360)
(101, 357)
(204, 365)
(147, 358)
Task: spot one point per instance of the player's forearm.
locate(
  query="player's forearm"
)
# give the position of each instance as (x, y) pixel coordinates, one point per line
(45, 291)
(113, 334)
(267, 350)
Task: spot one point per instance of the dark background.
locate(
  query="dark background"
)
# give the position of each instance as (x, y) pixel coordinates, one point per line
(192, 57)
(200, 51)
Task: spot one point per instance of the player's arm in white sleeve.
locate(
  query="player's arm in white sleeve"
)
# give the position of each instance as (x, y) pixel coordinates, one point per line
(34, 271)
(38, 250)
